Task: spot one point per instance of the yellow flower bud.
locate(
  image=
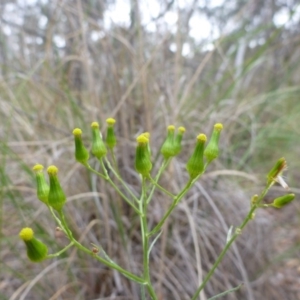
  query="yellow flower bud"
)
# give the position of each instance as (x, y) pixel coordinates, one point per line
(111, 139)
(143, 163)
(168, 147)
(178, 139)
(42, 186)
(212, 150)
(36, 250)
(81, 153)
(195, 165)
(98, 146)
(57, 197)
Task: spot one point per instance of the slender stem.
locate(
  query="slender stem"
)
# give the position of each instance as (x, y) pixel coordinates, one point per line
(160, 171)
(56, 219)
(171, 208)
(232, 239)
(94, 171)
(114, 160)
(226, 292)
(160, 187)
(256, 205)
(106, 177)
(145, 240)
(121, 180)
(60, 252)
(219, 259)
(109, 264)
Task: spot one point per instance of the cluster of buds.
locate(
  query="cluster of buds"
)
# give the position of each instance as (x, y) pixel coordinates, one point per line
(202, 155)
(172, 144)
(99, 147)
(52, 195)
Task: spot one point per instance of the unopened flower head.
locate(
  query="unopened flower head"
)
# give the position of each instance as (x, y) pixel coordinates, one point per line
(81, 153)
(57, 197)
(168, 147)
(212, 150)
(98, 146)
(195, 164)
(42, 190)
(111, 139)
(143, 163)
(275, 174)
(283, 200)
(36, 250)
(178, 139)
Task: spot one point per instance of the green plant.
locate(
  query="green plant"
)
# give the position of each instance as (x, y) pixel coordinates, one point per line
(54, 197)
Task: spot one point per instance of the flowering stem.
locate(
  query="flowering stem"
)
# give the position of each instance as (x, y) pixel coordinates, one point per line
(238, 231)
(109, 264)
(173, 205)
(145, 240)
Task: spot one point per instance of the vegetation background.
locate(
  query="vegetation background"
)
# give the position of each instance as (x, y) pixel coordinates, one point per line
(149, 64)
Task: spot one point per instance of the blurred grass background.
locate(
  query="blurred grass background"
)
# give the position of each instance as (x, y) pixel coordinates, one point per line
(67, 63)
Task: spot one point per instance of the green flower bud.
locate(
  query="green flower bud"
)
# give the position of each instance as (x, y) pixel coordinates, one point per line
(283, 200)
(36, 250)
(168, 147)
(277, 170)
(212, 150)
(57, 197)
(41, 184)
(81, 153)
(195, 165)
(178, 138)
(111, 139)
(98, 146)
(143, 163)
